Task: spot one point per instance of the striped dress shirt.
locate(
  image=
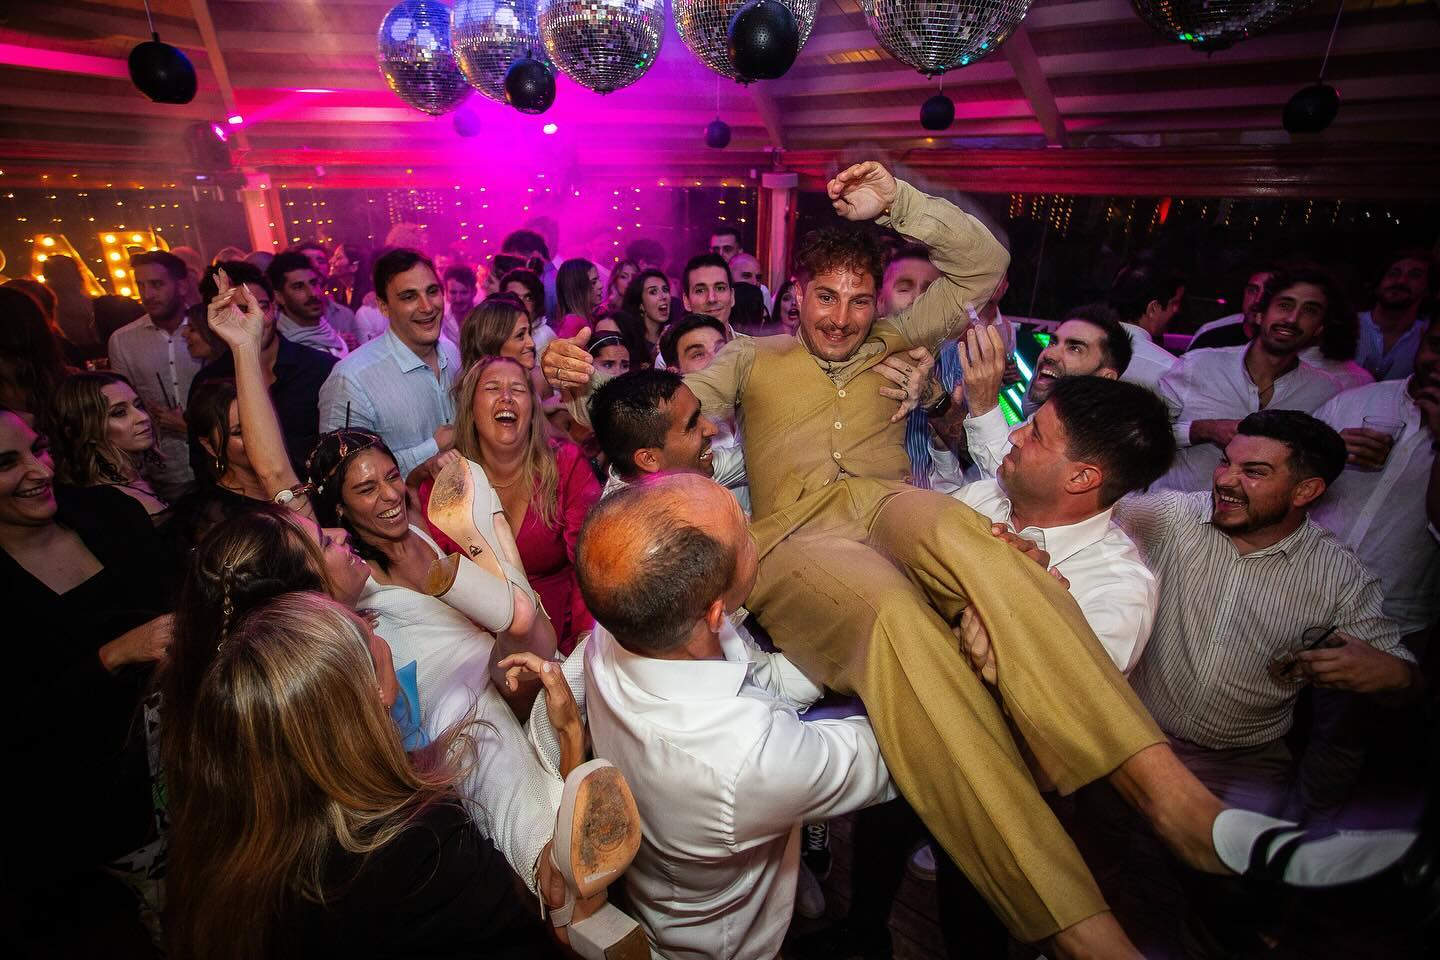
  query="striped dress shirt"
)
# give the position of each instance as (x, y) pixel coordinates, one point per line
(917, 428)
(1224, 616)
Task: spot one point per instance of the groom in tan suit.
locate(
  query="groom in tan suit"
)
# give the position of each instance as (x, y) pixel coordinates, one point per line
(862, 575)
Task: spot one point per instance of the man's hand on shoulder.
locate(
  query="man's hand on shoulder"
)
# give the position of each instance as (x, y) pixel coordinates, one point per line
(863, 191)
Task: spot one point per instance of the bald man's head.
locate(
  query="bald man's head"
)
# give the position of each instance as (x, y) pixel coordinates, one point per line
(654, 556)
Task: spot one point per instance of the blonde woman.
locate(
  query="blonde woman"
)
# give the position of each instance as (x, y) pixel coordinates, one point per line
(103, 435)
(302, 827)
(545, 485)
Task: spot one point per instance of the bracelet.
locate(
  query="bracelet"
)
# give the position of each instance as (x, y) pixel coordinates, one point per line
(290, 493)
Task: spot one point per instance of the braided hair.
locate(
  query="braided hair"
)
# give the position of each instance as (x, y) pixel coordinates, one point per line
(240, 564)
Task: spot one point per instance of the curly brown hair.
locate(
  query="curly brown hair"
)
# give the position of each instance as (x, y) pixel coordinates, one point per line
(840, 248)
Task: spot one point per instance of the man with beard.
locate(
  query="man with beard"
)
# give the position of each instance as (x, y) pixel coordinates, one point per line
(1211, 391)
(1390, 332)
(300, 289)
(861, 575)
(1256, 600)
(295, 372)
(398, 384)
(1090, 341)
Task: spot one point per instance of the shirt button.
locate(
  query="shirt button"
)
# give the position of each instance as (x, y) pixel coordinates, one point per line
(842, 394)
(837, 424)
(836, 454)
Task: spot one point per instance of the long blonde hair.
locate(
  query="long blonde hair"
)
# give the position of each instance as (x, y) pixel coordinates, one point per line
(292, 755)
(542, 473)
(85, 456)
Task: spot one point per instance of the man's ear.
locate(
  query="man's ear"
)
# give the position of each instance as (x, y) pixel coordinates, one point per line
(1306, 492)
(1084, 477)
(647, 460)
(715, 615)
(1107, 373)
(383, 305)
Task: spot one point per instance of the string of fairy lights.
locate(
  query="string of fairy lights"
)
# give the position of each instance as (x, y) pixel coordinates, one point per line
(474, 217)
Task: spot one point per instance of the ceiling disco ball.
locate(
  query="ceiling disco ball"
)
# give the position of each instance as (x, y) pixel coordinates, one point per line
(934, 36)
(1214, 24)
(703, 23)
(489, 36)
(603, 44)
(416, 59)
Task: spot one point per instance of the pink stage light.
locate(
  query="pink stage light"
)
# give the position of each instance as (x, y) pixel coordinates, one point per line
(235, 120)
(219, 132)
(550, 128)
(314, 90)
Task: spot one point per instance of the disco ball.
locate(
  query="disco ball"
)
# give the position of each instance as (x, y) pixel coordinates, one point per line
(416, 59)
(703, 23)
(602, 44)
(489, 36)
(934, 36)
(1214, 24)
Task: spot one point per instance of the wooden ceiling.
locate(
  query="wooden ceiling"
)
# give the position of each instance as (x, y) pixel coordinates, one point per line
(1081, 85)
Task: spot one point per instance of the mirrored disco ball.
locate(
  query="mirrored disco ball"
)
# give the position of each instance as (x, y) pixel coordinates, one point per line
(1214, 24)
(603, 44)
(489, 36)
(702, 25)
(416, 59)
(934, 36)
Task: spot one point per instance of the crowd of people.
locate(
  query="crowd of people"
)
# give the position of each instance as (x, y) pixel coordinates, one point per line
(384, 604)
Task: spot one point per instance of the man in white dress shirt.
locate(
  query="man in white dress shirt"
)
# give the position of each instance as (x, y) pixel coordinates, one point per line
(398, 385)
(704, 725)
(1095, 440)
(1147, 295)
(1391, 330)
(1386, 504)
(1089, 342)
(300, 291)
(1211, 391)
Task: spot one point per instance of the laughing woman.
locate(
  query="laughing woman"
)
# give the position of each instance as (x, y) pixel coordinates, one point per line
(84, 582)
(104, 436)
(546, 486)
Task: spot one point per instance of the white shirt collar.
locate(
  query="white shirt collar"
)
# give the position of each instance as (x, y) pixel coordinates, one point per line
(1061, 542)
(683, 679)
(1138, 331)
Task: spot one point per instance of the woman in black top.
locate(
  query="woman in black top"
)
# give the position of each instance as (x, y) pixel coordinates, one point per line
(84, 581)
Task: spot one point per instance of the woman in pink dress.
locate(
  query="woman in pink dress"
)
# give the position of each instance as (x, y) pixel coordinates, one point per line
(546, 486)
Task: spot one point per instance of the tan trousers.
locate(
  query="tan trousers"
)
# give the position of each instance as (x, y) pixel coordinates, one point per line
(854, 621)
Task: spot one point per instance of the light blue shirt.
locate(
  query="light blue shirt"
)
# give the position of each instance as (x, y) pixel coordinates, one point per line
(391, 391)
(1397, 363)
